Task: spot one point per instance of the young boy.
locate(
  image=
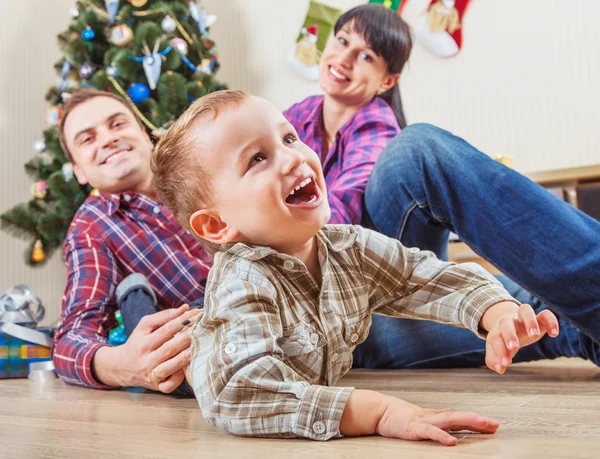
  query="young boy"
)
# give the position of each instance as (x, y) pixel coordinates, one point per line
(289, 297)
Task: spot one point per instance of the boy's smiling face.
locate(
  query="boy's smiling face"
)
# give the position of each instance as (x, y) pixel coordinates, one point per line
(267, 186)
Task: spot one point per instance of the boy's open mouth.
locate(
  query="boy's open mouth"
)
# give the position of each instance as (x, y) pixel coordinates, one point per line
(306, 192)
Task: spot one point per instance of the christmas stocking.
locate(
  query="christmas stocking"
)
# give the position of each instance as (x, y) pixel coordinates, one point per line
(304, 56)
(439, 28)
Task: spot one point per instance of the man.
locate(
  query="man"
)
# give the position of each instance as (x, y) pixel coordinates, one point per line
(112, 235)
(124, 229)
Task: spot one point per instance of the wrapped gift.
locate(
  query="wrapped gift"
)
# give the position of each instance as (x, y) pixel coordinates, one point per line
(21, 343)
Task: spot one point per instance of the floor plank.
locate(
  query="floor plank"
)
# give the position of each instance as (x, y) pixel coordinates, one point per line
(547, 410)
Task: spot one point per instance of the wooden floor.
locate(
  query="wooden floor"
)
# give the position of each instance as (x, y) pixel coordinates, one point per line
(547, 410)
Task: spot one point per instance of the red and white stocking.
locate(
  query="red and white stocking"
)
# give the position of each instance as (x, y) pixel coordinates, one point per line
(439, 28)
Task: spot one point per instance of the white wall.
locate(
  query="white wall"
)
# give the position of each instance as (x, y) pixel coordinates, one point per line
(523, 85)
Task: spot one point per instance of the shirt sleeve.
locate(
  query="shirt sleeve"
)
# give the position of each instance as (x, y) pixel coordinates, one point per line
(87, 311)
(359, 150)
(412, 283)
(240, 376)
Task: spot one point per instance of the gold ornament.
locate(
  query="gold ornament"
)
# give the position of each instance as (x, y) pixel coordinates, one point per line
(138, 3)
(38, 253)
(95, 192)
(443, 16)
(121, 35)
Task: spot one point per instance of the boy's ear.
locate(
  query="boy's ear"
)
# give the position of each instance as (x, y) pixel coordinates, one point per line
(208, 225)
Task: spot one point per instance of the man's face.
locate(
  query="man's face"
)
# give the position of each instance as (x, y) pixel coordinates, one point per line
(110, 150)
(266, 183)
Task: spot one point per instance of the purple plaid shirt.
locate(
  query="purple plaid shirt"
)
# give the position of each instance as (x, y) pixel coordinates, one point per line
(112, 236)
(350, 160)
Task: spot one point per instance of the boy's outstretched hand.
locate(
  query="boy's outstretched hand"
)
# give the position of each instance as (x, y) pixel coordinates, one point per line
(411, 422)
(514, 330)
(368, 412)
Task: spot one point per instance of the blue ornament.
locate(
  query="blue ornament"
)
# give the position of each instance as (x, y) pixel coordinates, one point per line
(138, 92)
(88, 34)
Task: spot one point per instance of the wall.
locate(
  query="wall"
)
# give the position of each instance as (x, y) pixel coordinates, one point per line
(523, 85)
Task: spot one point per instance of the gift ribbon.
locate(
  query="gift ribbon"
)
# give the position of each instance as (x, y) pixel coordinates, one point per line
(42, 371)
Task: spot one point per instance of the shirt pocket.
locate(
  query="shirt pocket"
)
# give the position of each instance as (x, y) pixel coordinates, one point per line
(301, 339)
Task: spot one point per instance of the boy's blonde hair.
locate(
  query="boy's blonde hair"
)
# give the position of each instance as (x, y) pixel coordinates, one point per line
(178, 177)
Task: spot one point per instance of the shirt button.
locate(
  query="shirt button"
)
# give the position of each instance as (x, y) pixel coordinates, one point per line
(414, 250)
(288, 264)
(318, 427)
(230, 349)
(314, 338)
(127, 198)
(335, 357)
(156, 210)
(354, 338)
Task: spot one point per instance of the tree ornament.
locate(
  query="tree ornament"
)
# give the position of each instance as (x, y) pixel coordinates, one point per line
(38, 253)
(39, 145)
(180, 45)
(111, 70)
(204, 21)
(152, 63)
(74, 12)
(39, 189)
(88, 34)
(121, 35)
(87, 70)
(53, 115)
(67, 171)
(138, 3)
(95, 192)
(112, 6)
(138, 92)
(168, 24)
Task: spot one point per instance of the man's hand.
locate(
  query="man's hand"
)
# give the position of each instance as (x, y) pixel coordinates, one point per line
(153, 357)
(512, 331)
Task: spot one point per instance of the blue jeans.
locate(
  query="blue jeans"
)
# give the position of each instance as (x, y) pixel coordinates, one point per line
(428, 182)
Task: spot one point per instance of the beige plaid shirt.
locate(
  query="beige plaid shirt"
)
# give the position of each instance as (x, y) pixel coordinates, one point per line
(271, 344)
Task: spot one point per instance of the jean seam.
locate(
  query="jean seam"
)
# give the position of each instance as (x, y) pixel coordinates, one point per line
(420, 205)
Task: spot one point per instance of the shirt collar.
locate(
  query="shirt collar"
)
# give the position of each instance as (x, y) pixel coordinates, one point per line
(116, 201)
(336, 237)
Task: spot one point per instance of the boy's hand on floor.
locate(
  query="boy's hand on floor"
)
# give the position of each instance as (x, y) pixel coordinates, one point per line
(409, 422)
(514, 331)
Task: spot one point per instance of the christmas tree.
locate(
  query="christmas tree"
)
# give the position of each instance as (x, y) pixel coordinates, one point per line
(155, 53)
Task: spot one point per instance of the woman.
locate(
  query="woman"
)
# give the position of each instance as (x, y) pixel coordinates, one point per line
(427, 182)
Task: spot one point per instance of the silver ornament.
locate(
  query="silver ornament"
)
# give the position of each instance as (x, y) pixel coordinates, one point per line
(112, 6)
(87, 70)
(39, 145)
(67, 171)
(112, 70)
(168, 24)
(74, 12)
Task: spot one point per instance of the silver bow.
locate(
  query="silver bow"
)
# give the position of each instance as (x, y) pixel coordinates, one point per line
(19, 305)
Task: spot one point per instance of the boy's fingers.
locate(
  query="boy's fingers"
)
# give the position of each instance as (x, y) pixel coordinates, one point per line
(508, 330)
(464, 420)
(548, 320)
(427, 431)
(497, 354)
(528, 318)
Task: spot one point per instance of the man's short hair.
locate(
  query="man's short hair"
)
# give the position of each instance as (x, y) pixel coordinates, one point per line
(178, 177)
(79, 97)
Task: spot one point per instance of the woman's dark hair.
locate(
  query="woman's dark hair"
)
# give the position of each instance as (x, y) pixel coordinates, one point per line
(389, 37)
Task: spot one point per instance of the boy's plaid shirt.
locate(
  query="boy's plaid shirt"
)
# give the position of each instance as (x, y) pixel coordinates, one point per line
(271, 343)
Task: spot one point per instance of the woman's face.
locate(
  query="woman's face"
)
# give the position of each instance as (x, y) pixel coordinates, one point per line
(350, 71)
